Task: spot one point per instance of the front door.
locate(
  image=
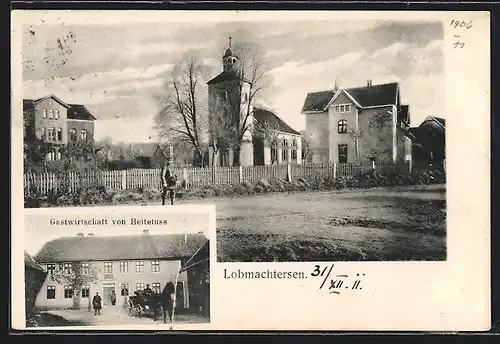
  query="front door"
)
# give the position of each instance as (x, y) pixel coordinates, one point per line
(107, 289)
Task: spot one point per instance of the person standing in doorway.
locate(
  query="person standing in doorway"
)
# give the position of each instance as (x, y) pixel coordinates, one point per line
(96, 302)
(168, 181)
(112, 297)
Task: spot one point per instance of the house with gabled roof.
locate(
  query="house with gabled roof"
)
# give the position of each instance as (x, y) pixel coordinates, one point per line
(429, 142)
(57, 122)
(79, 266)
(34, 277)
(358, 124)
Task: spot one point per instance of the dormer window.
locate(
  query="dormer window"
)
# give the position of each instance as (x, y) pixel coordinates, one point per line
(343, 108)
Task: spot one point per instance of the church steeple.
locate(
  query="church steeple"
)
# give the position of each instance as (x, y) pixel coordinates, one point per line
(230, 60)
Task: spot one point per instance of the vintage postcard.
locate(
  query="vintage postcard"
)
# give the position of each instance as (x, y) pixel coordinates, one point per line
(118, 268)
(345, 155)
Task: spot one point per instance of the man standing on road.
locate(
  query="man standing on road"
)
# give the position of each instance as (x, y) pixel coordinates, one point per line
(168, 182)
(96, 302)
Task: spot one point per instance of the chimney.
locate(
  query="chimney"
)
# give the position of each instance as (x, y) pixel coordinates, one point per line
(369, 82)
(80, 234)
(145, 232)
(91, 234)
(185, 237)
(337, 84)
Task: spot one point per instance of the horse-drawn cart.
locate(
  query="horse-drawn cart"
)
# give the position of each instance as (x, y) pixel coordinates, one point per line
(143, 305)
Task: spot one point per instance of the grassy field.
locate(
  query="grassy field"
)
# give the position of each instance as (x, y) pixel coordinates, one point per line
(352, 225)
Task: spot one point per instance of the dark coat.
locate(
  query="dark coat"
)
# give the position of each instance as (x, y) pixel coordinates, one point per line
(96, 302)
(168, 178)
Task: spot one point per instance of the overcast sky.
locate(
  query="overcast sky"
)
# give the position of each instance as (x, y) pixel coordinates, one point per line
(116, 70)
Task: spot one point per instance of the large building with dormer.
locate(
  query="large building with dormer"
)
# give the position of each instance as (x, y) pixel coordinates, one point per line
(358, 124)
(57, 122)
(78, 267)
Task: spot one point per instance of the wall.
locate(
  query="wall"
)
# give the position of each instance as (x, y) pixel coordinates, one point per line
(403, 146)
(40, 122)
(167, 273)
(336, 138)
(317, 132)
(378, 133)
(79, 125)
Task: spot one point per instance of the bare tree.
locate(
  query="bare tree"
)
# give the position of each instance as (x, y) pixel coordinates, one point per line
(307, 139)
(356, 134)
(75, 276)
(267, 130)
(180, 118)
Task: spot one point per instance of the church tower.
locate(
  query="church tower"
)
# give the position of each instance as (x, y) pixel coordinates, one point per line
(230, 61)
(228, 100)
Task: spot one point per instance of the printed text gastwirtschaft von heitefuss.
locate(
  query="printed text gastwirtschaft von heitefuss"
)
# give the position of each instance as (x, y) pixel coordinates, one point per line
(263, 274)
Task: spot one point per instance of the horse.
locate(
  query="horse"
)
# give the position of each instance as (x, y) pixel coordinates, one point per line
(165, 299)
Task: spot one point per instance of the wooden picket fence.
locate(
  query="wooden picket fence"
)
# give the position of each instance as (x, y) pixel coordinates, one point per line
(46, 183)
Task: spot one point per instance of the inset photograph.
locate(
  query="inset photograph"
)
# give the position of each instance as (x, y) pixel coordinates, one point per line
(116, 274)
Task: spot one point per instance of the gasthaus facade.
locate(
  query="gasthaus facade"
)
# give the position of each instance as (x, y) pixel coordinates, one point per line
(78, 267)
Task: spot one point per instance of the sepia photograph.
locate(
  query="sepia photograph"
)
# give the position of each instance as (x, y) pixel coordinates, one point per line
(103, 269)
(316, 140)
(176, 163)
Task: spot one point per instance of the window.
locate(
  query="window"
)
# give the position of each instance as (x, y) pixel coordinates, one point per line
(274, 151)
(50, 269)
(342, 153)
(294, 149)
(155, 266)
(68, 292)
(108, 267)
(303, 154)
(59, 134)
(284, 151)
(180, 290)
(123, 267)
(51, 292)
(67, 268)
(83, 134)
(343, 108)
(342, 126)
(85, 291)
(72, 134)
(57, 115)
(140, 286)
(51, 134)
(139, 266)
(44, 113)
(85, 268)
(124, 288)
(156, 287)
(51, 114)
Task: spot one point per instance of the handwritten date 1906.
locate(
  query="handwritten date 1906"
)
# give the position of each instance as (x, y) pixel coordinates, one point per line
(338, 282)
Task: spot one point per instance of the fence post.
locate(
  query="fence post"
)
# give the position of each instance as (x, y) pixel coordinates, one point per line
(124, 179)
(240, 172)
(289, 171)
(185, 176)
(334, 170)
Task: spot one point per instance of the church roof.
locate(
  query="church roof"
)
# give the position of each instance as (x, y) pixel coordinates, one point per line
(266, 116)
(229, 52)
(223, 77)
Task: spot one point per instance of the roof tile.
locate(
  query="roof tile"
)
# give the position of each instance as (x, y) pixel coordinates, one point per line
(98, 248)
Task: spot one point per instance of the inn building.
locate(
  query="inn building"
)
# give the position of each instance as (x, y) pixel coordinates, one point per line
(78, 267)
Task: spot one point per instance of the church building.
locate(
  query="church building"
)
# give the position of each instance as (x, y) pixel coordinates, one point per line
(231, 112)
